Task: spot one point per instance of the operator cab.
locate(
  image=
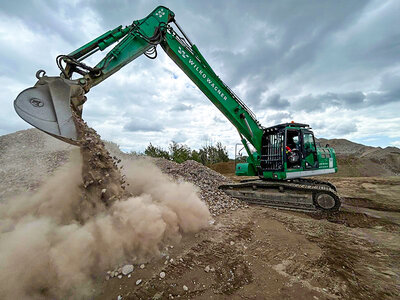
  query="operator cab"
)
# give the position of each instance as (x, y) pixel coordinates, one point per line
(289, 146)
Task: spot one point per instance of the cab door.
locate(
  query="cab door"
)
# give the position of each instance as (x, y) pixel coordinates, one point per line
(310, 160)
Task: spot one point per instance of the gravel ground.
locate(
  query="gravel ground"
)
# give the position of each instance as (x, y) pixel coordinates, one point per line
(247, 252)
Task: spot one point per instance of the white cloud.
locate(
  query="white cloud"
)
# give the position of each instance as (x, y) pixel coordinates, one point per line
(395, 144)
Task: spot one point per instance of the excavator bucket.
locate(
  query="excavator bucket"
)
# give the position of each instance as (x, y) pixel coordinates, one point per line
(47, 106)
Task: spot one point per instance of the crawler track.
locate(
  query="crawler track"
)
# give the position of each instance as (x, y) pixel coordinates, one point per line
(298, 194)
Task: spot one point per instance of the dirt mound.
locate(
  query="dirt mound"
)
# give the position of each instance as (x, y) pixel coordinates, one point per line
(27, 157)
(224, 167)
(343, 146)
(357, 160)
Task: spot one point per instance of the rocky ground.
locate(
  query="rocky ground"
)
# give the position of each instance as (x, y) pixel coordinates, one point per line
(262, 253)
(248, 252)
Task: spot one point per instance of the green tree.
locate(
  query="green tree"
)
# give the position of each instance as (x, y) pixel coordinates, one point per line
(179, 152)
(195, 156)
(210, 154)
(156, 151)
(222, 153)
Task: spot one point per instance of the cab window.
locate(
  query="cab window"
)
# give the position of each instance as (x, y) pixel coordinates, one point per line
(309, 144)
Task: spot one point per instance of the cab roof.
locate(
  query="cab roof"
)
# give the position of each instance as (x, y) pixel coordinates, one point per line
(286, 125)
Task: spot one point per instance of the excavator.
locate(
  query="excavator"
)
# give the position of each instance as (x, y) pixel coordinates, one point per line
(280, 156)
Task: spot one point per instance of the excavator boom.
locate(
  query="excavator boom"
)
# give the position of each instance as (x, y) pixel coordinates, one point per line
(141, 37)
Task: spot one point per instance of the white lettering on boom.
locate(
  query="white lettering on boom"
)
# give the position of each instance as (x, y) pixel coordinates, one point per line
(209, 81)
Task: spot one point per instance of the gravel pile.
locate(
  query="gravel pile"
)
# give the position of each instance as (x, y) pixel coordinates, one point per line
(206, 179)
(27, 158)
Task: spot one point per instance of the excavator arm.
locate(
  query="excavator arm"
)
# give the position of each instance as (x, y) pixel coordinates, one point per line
(53, 96)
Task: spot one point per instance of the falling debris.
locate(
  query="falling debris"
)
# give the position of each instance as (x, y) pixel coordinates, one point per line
(97, 163)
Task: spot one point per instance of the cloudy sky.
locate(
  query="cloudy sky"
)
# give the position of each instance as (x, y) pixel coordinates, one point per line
(332, 64)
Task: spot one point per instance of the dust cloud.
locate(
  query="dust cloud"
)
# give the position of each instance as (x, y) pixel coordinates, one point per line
(47, 251)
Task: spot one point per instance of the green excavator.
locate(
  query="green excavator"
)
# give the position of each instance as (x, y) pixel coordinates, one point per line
(284, 154)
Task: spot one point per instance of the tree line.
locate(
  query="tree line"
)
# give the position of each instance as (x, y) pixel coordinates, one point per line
(206, 155)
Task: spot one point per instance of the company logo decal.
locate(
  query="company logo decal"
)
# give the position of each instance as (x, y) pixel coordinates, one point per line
(160, 13)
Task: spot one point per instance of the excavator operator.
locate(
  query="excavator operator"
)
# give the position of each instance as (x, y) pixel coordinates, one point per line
(292, 152)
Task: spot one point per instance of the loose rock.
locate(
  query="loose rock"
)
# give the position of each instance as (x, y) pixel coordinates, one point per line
(127, 269)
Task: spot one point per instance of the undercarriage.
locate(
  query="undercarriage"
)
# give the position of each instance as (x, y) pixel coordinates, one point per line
(297, 194)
